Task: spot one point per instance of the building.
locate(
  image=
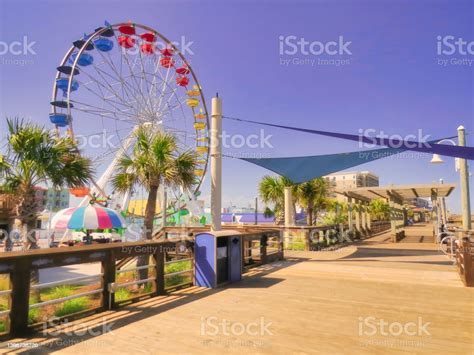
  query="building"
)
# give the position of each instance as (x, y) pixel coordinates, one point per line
(350, 180)
(51, 199)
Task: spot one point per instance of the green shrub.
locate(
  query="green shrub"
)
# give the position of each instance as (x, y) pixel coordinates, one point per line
(178, 266)
(72, 306)
(177, 280)
(122, 294)
(3, 326)
(4, 282)
(58, 292)
(33, 315)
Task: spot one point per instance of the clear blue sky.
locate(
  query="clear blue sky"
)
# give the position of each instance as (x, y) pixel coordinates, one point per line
(393, 81)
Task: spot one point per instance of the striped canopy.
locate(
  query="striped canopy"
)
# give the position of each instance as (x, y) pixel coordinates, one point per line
(90, 217)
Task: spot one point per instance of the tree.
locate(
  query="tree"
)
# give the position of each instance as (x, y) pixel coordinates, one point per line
(268, 213)
(272, 190)
(155, 161)
(312, 195)
(35, 156)
(379, 210)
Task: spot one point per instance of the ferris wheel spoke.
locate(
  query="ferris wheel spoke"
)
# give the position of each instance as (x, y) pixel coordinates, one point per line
(108, 86)
(106, 99)
(119, 78)
(130, 92)
(98, 110)
(132, 73)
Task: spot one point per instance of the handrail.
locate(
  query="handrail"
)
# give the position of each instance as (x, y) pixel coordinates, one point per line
(136, 268)
(66, 281)
(63, 299)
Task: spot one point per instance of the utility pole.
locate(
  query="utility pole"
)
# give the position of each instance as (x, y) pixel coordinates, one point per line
(464, 174)
(216, 163)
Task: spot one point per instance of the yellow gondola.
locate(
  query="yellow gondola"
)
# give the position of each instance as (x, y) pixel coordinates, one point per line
(202, 149)
(201, 161)
(200, 115)
(202, 139)
(191, 102)
(199, 125)
(199, 172)
(194, 91)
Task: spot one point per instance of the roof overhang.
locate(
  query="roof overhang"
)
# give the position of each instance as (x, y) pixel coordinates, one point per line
(398, 192)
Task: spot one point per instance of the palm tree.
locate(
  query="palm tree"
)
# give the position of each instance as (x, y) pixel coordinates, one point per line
(272, 190)
(35, 156)
(155, 161)
(379, 210)
(312, 195)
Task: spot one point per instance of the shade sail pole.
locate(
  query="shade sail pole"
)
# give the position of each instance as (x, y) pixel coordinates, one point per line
(216, 163)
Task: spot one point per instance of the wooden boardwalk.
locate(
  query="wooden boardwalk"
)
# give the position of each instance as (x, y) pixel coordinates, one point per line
(314, 302)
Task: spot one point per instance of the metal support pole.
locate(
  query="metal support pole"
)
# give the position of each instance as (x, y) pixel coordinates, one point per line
(256, 210)
(164, 204)
(435, 214)
(464, 172)
(289, 216)
(216, 163)
(349, 214)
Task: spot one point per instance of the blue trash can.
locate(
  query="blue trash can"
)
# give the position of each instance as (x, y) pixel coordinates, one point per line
(218, 258)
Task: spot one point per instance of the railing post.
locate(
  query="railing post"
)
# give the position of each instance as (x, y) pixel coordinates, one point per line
(108, 269)
(20, 297)
(467, 259)
(281, 245)
(159, 257)
(263, 248)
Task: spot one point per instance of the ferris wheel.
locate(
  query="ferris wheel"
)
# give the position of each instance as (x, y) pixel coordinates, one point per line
(116, 79)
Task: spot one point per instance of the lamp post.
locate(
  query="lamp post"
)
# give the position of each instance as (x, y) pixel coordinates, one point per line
(462, 167)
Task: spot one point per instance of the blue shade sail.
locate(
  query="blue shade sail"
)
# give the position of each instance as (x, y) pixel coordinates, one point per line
(301, 169)
(422, 147)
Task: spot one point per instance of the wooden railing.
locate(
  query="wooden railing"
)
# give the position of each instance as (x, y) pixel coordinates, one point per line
(168, 265)
(465, 261)
(20, 266)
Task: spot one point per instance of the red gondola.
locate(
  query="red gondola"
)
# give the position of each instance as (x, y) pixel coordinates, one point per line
(182, 81)
(184, 70)
(167, 52)
(126, 41)
(148, 37)
(147, 48)
(127, 29)
(167, 62)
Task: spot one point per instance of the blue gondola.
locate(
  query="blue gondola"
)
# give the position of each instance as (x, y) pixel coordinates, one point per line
(63, 84)
(80, 43)
(66, 69)
(84, 60)
(104, 44)
(59, 119)
(62, 104)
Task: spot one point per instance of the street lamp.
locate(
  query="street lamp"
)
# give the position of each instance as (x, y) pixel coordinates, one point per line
(462, 167)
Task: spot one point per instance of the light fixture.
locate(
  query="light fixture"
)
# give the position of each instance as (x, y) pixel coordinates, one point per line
(436, 159)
